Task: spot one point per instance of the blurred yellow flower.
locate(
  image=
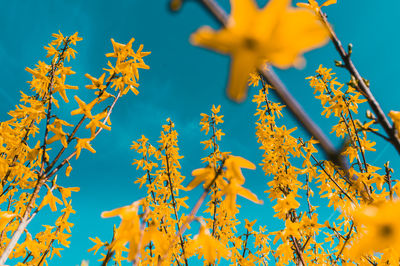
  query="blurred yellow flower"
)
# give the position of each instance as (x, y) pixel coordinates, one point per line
(207, 246)
(277, 33)
(379, 228)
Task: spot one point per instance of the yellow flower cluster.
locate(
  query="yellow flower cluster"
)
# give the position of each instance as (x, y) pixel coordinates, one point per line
(294, 172)
(348, 238)
(28, 172)
(154, 226)
(363, 227)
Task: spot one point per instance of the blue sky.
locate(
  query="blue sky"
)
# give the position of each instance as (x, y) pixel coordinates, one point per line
(183, 82)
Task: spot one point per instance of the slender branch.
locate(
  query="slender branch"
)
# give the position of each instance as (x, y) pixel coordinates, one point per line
(388, 179)
(156, 203)
(344, 244)
(46, 130)
(352, 141)
(305, 243)
(60, 60)
(109, 255)
(361, 85)
(51, 243)
(376, 133)
(298, 250)
(181, 241)
(357, 137)
(330, 177)
(215, 200)
(149, 176)
(245, 243)
(55, 170)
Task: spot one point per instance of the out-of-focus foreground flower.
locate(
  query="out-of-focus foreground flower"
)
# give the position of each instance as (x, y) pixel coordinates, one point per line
(277, 34)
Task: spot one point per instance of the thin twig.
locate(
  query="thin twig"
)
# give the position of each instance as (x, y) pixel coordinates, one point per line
(181, 240)
(298, 250)
(344, 244)
(41, 180)
(361, 85)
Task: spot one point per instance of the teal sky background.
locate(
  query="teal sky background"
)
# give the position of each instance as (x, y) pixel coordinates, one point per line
(183, 82)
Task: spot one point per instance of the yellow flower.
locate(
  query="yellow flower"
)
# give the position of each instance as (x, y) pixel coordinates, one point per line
(51, 200)
(235, 179)
(210, 248)
(201, 175)
(56, 128)
(83, 144)
(96, 123)
(68, 170)
(84, 108)
(98, 244)
(276, 33)
(74, 38)
(249, 225)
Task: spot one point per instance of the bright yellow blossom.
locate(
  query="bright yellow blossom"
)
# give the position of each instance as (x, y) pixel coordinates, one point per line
(51, 200)
(85, 144)
(211, 248)
(96, 83)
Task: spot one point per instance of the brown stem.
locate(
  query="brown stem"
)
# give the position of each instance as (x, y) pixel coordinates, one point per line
(181, 241)
(344, 119)
(167, 156)
(330, 177)
(374, 132)
(55, 170)
(298, 250)
(109, 255)
(352, 141)
(110, 251)
(50, 244)
(71, 136)
(245, 243)
(215, 201)
(361, 85)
